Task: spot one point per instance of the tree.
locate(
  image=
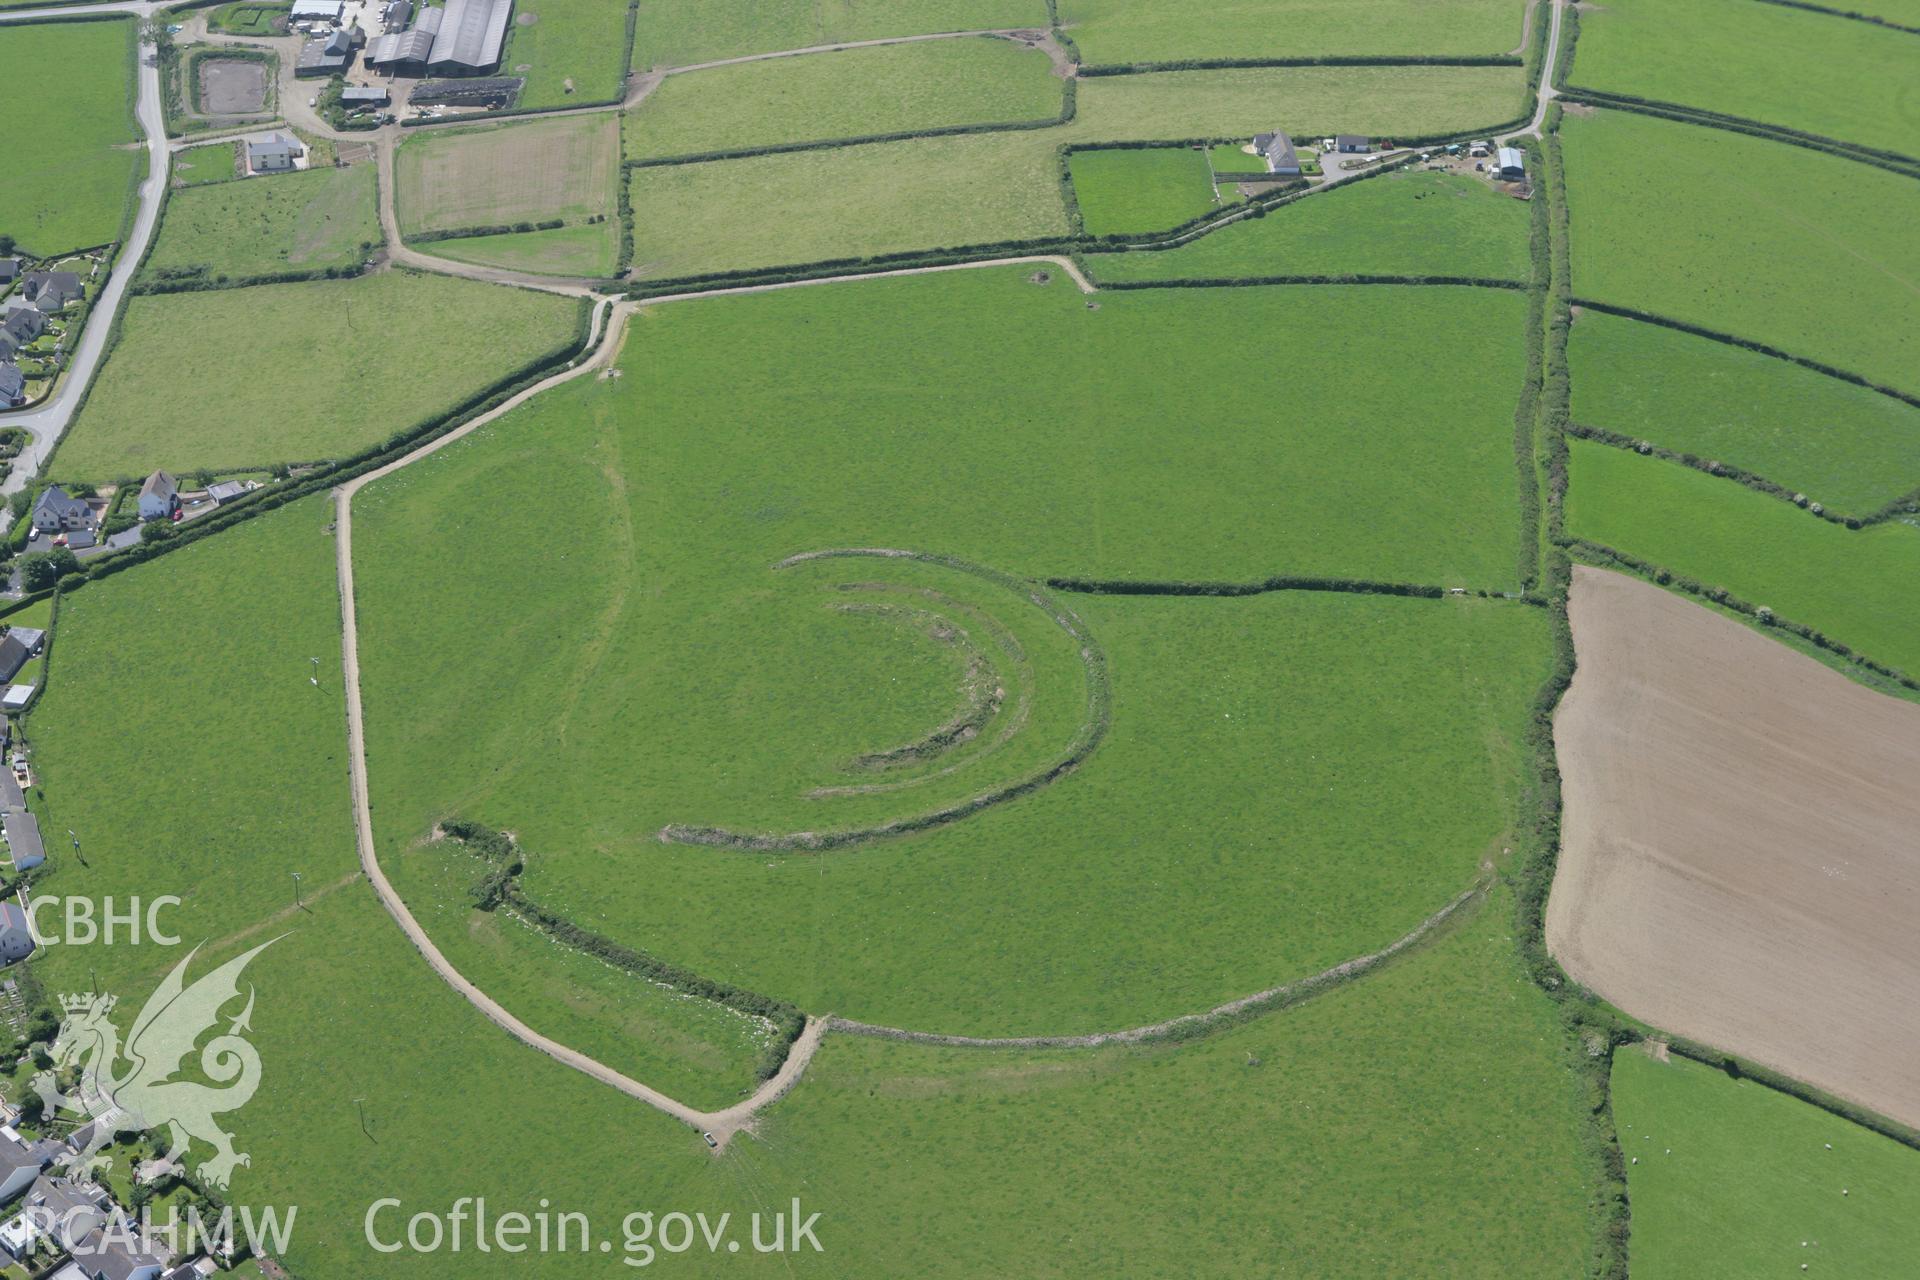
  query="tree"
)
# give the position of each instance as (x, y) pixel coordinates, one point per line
(44, 568)
(158, 531)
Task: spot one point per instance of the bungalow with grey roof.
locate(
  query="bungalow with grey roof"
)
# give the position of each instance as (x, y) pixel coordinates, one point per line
(1277, 150)
(23, 324)
(13, 385)
(24, 846)
(14, 655)
(16, 935)
(20, 1165)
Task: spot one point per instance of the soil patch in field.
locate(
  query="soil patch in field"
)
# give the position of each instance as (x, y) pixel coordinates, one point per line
(1740, 864)
(232, 86)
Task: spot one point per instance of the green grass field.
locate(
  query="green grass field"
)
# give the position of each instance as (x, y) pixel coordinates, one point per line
(811, 206)
(1731, 1179)
(1781, 66)
(1749, 239)
(199, 166)
(1855, 585)
(1853, 449)
(1407, 223)
(570, 51)
(927, 193)
(1420, 1122)
(1109, 31)
(348, 1020)
(283, 394)
(584, 249)
(310, 220)
(1131, 191)
(247, 18)
(883, 89)
(688, 498)
(65, 150)
(695, 1050)
(677, 33)
(497, 175)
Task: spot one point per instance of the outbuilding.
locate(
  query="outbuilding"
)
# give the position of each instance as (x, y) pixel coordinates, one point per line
(365, 95)
(1352, 143)
(1511, 163)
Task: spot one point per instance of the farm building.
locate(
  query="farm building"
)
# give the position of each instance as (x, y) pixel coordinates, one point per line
(58, 510)
(329, 55)
(1277, 150)
(363, 95)
(13, 385)
(16, 936)
(316, 10)
(397, 15)
(463, 39)
(273, 154)
(159, 497)
(227, 491)
(1510, 163)
(1352, 143)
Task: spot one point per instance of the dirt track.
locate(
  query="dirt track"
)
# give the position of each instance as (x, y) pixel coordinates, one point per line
(1741, 862)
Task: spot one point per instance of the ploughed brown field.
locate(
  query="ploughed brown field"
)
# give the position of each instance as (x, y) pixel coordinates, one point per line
(1742, 843)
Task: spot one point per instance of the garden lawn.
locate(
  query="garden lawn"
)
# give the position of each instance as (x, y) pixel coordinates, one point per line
(1358, 750)
(584, 249)
(1403, 223)
(200, 166)
(498, 175)
(1114, 31)
(1732, 1179)
(936, 192)
(1134, 190)
(66, 149)
(1843, 445)
(897, 88)
(676, 33)
(1780, 66)
(1802, 251)
(349, 1022)
(693, 1049)
(572, 52)
(180, 356)
(313, 220)
(1857, 586)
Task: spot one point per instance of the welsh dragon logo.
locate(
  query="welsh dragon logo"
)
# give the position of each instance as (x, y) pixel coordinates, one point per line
(145, 1095)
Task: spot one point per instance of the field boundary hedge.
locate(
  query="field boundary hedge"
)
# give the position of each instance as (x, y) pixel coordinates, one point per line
(501, 888)
(1892, 161)
(1844, 13)
(1607, 556)
(366, 459)
(1094, 70)
(1230, 282)
(1904, 503)
(1193, 1026)
(1526, 412)
(1743, 1068)
(1069, 98)
(1745, 344)
(1279, 582)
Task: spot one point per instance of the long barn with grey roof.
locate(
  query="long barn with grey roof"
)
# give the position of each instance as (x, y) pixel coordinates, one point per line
(465, 38)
